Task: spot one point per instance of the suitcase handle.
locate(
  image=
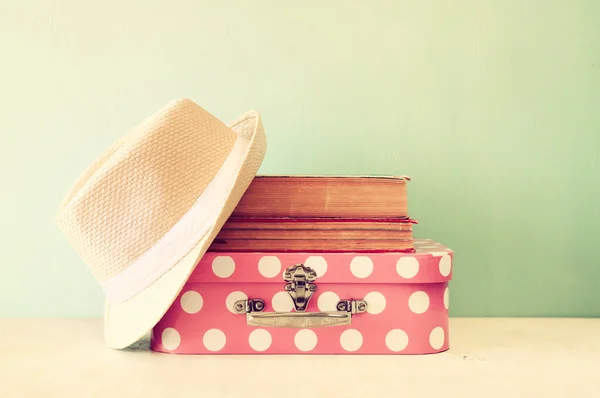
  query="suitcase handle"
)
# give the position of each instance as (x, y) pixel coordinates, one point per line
(255, 317)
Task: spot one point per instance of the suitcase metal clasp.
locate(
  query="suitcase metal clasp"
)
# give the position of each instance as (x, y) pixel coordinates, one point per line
(301, 287)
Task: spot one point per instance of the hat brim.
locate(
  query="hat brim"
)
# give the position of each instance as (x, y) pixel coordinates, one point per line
(127, 322)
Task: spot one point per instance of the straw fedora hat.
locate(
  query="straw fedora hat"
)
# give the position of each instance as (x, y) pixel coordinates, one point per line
(144, 213)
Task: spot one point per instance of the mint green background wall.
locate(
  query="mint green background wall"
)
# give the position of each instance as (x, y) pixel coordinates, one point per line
(491, 106)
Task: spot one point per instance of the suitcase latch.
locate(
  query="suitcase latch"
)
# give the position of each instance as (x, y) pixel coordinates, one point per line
(300, 285)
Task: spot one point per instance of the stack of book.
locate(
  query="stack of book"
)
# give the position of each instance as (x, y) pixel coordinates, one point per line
(320, 214)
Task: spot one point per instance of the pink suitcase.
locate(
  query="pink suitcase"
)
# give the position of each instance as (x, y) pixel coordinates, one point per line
(312, 303)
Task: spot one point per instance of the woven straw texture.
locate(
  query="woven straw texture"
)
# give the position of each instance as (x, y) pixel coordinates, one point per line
(127, 322)
(133, 194)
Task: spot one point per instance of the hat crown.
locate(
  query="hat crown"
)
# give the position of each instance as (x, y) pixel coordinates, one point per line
(134, 194)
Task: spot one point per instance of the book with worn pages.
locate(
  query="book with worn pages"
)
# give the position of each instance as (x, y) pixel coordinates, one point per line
(320, 214)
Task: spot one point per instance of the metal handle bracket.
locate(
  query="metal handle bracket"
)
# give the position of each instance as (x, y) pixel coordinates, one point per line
(255, 317)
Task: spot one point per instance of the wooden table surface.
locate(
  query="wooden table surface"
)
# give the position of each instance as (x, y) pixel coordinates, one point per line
(496, 357)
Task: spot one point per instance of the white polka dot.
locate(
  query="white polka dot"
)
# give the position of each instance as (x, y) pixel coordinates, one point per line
(351, 340)
(260, 340)
(214, 340)
(445, 265)
(436, 338)
(282, 302)
(191, 302)
(328, 301)
(418, 302)
(232, 298)
(361, 266)
(407, 267)
(447, 298)
(223, 266)
(305, 340)
(318, 264)
(269, 266)
(396, 340)
(375, 302)
(170, 339)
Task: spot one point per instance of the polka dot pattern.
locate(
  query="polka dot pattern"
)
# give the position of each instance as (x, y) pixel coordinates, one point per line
(327, 301)
(170, 339)
(418, 302)
(445, 265)
(376, 302)
(318, 264)
(423, 266)
(269, 266)
(351, 340)
(361, 266)
(407, 267)
(407, 299)
(282, 302)
(223, 266)
(446, 298)
(232, 298)
(305, 340)
(214, 340)
(436, 338)
(191, 302)
(260, 340)
(396, 340)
